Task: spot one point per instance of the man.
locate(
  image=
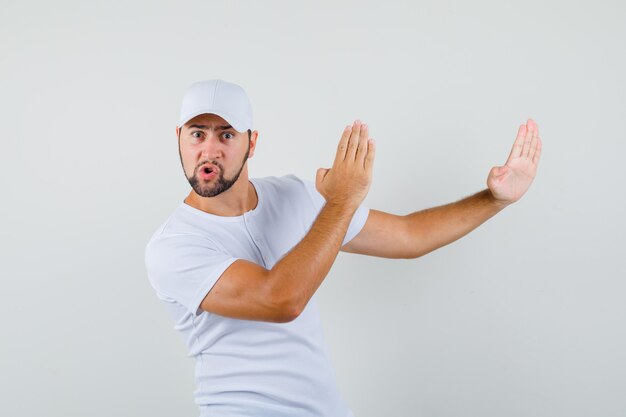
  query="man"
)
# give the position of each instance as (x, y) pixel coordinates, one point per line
(239, 261)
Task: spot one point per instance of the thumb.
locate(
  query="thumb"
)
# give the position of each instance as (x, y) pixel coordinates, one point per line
(321, 173)
(499, 171)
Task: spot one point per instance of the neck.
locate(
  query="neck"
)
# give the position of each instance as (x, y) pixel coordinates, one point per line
(237, 200)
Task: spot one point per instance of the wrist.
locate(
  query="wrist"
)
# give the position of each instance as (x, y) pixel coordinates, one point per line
(496, 202)
(342, 206)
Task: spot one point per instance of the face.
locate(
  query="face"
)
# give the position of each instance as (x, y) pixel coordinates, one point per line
(213, 154)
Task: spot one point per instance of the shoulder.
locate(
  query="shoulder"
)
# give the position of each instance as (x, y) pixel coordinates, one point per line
(173, 259)
(176, 235)
(287, 186)
(286, 182)
(164, 247)
(289, 192)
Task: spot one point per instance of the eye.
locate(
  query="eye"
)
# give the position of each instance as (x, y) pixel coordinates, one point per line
(196, 137)
(228, 135)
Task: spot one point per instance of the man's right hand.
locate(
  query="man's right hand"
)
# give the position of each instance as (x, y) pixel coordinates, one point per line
(347, 182)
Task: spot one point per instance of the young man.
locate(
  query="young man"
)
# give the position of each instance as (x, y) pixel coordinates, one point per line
(239, 261)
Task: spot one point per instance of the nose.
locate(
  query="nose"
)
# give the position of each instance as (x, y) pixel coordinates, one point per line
(211, 147)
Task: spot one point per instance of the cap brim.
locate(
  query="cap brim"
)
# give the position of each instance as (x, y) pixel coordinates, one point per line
(236, 124)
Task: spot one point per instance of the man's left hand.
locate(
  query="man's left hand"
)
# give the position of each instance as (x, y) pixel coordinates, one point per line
(508, 183)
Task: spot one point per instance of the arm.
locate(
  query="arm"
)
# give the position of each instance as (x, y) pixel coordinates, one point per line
(416, 234)
(249, 291)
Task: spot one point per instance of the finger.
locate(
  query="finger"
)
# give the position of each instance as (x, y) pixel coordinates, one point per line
(535, 134)
(362, 147)
(537, 155)
(343, 144)
(353, 142)
(516, 150)
(371, 153)
(528, 138)
(533, 145)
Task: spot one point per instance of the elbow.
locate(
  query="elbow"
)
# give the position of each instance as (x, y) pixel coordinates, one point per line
(286, 308)
(285, 305)
(289, 314)
(417, 254)
(423, 251)
(290, 308)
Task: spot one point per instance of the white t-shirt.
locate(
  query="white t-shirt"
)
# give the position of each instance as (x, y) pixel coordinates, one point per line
(247, 367)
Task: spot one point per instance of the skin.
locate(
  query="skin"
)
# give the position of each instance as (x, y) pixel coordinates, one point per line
(228, 150)
(249, 291)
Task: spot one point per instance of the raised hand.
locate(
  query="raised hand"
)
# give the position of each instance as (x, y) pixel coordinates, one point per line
(348, 180)
(510, 182)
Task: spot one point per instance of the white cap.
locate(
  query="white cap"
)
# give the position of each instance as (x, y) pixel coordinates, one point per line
(225, 99)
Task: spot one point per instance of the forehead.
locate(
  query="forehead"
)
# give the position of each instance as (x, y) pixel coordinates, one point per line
(207, 119)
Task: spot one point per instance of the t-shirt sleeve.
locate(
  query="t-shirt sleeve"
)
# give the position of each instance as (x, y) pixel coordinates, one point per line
(184, 268)
(358, 220)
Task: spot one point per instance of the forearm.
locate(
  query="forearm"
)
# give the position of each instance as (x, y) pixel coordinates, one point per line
(297, 276)
(435, 227)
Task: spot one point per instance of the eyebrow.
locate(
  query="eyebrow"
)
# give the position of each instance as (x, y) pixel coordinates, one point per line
(207, 127)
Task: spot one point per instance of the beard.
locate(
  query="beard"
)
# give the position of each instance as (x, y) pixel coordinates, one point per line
(219, 184)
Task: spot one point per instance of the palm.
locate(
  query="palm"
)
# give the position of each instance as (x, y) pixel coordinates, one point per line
(508, 183)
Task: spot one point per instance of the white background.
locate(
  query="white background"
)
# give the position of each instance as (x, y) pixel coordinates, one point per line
(523, 317)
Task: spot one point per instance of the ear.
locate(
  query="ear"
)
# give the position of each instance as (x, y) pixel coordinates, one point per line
(177, 131)
(253, 138)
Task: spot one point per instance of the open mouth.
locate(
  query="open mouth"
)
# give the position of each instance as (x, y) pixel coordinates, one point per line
(208, 172)
(208, 169)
